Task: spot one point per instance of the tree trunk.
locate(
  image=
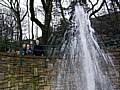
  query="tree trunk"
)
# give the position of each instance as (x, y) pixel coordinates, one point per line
(32, 31)
(45, 36)
(19, 27)
(47, 6)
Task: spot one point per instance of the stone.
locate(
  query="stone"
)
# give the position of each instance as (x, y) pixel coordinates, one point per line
(2, 76)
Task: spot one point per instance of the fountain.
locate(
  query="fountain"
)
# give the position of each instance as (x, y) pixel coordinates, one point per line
(84, 66)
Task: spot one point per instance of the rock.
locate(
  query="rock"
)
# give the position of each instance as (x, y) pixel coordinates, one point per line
(2, 76)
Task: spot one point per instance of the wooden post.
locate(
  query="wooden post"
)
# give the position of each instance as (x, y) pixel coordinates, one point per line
(35, 72)
(17, 87)
(9, 85)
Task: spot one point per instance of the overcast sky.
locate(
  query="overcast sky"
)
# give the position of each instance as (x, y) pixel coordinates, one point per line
(38, 3)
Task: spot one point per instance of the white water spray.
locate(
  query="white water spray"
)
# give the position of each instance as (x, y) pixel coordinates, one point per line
(84, 66)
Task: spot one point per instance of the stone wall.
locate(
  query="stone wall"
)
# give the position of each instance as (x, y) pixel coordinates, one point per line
(107, 29)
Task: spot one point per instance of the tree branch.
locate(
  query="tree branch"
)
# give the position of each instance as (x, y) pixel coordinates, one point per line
(5, 2)
(93, 5)
(25, 12)
(33, 15)
(48, 13)
(97, 9)
(62, 13)
(44, 5)
(5, 5)
(13, 7)
(107, 7)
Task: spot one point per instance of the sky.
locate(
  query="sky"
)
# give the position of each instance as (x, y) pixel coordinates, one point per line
(41, 17)
(37, 30)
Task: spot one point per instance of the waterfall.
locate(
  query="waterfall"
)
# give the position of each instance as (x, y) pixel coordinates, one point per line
(84, 66)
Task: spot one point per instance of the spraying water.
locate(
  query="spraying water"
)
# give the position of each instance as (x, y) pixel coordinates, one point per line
(84, 66)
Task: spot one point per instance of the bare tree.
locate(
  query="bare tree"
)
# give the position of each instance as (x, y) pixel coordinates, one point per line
(47, 7)
(104, 2)
(14, 6)
(7, 24)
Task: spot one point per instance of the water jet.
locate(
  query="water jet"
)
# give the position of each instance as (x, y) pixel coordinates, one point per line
(84, 66)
